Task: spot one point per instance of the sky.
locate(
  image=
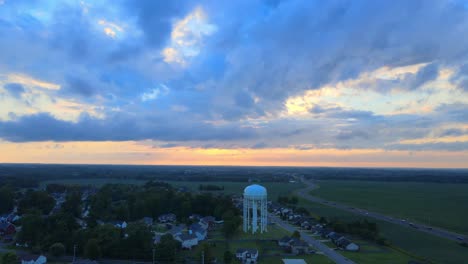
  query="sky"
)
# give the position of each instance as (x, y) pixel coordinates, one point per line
(255, 82)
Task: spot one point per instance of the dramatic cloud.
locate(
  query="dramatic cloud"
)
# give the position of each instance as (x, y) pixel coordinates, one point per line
(299, 74)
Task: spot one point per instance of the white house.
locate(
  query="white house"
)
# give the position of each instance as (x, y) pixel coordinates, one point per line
(247, 255)
(121, 225)
(187, 240)
(352, 247)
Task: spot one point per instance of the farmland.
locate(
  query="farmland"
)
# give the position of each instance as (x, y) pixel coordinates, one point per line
(406, 241)
(442, 205)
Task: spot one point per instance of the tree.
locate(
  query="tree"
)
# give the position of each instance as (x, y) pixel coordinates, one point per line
(40, 200)
(7, 199)
(72, 204)
(57, 249)
(231, 223)
(32, 230)
(167, 248)
(92, 250)
(227, 257)
(207, 252)
(294, 200)
(296, 234)
(139, 241)
(9, 258)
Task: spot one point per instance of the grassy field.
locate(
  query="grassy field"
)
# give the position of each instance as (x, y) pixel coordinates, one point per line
(413, 244)
(442, 205)
(275, 189)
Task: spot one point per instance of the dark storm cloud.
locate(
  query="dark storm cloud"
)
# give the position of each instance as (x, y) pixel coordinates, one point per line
(300, 45)
(118, 127)
(14, 89)
(262, 53)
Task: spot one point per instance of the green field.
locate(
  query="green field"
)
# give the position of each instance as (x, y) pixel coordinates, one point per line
(442, 205)
(413, 243)
(275, 189)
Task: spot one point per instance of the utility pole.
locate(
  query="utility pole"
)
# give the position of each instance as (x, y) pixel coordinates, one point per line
(154, 251)
(74, 253)
(203, 257)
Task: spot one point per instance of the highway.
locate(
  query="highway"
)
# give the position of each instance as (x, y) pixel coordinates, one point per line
(330, 253)
(305, 193)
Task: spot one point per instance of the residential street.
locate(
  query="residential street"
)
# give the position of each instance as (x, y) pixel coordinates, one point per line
(330, 253)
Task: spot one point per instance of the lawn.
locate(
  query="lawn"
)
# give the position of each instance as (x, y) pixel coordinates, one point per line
(274, 232)
(436, 204)
(416, 244)
(311, 259)
(371, 253)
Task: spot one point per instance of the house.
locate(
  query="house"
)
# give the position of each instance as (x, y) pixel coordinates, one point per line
(247, 255)
(81, 222)
(187, 240)
(284, 242)
(119, 224)
(167, 218)
(334, 237)
(347, 245)
(177, 229)
(324, 232)
(199, 231)
(208, 221)
(195, 217)
(147, 221)
(306, 225)
(7, 228)
(298, 246)
(33, 259)
(156, 239)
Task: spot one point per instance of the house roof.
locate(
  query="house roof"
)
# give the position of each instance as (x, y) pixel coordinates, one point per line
(185, 237)
(197, 228)
(298, 243)
(208, 219)
(248, 250)
(5, 225)
(285, 239)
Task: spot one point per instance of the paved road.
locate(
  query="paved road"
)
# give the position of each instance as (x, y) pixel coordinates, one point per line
(330, 253)
(305, 193)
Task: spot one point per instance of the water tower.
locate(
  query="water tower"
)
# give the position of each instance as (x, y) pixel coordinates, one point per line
(255, 209)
